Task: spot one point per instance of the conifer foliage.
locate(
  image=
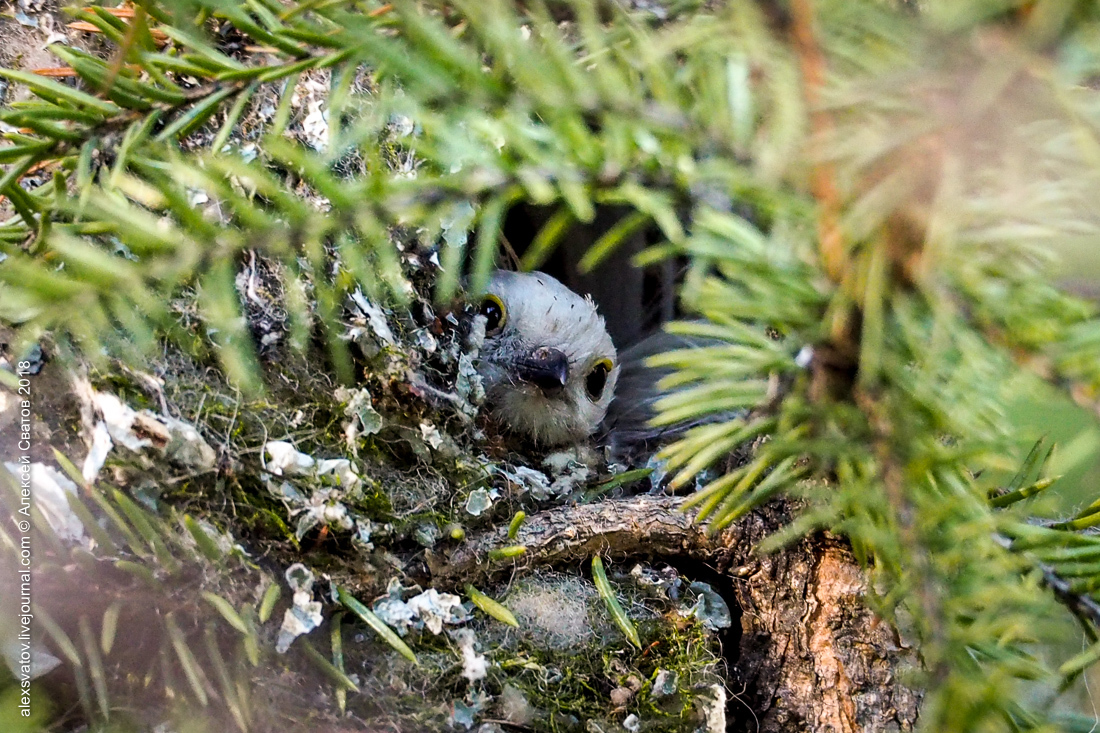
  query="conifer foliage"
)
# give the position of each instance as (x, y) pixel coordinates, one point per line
(866, 193)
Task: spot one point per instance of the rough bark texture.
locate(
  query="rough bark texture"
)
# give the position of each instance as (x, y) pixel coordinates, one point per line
(811, 655)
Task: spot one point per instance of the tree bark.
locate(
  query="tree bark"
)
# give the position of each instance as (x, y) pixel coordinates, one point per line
(811, 656)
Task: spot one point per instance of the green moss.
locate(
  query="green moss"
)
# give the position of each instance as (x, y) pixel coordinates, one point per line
(410, 487)
(125, 387)
(374, 503)
(569, 687)
(572, 664)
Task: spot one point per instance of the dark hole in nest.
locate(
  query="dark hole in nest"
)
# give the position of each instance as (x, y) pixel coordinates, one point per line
(738, 717)
(633, 301)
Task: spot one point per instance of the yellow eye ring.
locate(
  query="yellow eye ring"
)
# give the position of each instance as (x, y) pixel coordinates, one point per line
(496, 315)
(596, 380)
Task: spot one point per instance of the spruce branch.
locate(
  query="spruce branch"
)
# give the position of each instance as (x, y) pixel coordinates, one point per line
(907, 285)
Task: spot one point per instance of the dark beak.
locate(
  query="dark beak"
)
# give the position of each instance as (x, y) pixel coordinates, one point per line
(546, 368)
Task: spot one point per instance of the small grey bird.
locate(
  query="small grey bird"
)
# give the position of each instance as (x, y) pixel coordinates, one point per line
(547, 362)
(626, 429)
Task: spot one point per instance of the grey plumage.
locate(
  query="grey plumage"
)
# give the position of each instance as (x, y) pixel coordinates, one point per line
(626, 428)
(538, 362)
(547, 362)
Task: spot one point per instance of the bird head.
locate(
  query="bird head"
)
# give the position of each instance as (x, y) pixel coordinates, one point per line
(547, 362)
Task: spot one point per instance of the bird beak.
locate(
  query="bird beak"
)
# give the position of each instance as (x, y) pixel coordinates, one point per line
(546, 368)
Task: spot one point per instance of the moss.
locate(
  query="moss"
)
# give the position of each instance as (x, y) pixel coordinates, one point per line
(416, 697)
(569, 687)
(125, 387)
(568, 680)
(375, 504)
(572, 664)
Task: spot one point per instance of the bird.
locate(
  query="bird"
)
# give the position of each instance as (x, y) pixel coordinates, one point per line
(547, 362)
(627, 430)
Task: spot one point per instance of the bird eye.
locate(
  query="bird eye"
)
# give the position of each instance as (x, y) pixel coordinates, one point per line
(597, 379)
(492, 308)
